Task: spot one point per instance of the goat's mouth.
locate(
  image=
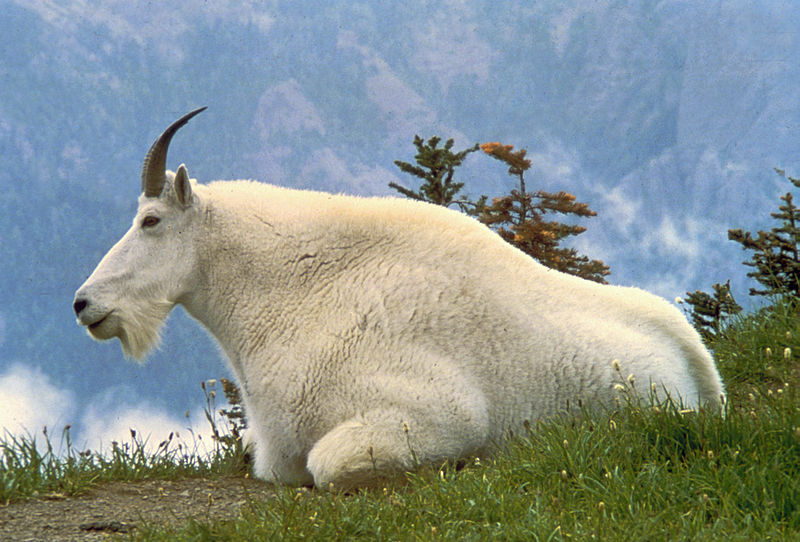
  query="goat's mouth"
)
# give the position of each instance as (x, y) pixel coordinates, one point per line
(103, 328)
(94, 325)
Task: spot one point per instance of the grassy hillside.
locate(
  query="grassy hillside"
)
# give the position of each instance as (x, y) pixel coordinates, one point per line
(638, 472)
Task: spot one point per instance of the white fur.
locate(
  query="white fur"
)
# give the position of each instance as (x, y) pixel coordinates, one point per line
(371, 335)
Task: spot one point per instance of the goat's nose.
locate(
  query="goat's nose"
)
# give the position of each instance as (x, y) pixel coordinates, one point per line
(79, 305)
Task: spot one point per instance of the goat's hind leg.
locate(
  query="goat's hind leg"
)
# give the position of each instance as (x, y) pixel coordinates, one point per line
(366, 450)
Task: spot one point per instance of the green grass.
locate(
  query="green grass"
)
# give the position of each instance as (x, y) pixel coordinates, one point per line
(646, 476)
(30, 469)
(634, 473)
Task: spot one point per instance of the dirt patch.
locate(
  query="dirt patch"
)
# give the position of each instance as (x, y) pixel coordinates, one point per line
(119, 507)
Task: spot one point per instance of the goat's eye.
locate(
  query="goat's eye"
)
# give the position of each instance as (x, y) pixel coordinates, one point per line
(150, 221)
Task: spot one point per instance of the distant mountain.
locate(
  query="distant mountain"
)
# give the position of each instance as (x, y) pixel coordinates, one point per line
(666, 117)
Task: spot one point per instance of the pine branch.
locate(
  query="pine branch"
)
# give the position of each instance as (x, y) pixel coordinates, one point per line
(406, 192)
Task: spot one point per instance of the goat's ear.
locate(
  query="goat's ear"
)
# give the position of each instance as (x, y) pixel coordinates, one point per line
(182, 186)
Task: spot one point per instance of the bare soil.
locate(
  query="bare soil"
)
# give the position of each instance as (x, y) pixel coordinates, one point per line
(121, 507)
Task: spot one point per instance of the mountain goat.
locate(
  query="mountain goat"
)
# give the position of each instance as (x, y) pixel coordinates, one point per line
(370, 335)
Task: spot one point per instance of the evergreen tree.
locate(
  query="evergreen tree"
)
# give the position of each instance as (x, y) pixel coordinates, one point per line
(519, 218)
(776, 253)
(708, 313)
(436, 166)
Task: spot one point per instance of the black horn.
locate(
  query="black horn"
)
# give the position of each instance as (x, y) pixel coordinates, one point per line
(155, 162)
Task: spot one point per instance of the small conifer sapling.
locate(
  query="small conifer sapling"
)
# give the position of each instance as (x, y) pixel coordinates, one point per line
(709, 313)
(435, 166)
(519, 218)
(776, 253)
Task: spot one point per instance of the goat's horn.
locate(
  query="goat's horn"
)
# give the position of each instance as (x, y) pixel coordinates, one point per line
(155, 162)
